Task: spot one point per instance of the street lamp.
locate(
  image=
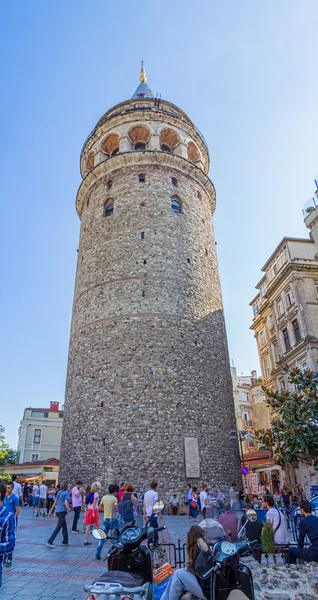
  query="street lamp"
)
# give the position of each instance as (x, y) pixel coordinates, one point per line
(241, 435)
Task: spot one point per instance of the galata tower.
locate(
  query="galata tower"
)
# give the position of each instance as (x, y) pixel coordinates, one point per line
(148, 391)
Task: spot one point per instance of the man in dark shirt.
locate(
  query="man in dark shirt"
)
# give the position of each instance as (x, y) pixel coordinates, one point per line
(308, 526)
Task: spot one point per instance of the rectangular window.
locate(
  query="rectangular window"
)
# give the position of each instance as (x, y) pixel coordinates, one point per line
(304, 366)
(289, 297)
(262, 337)
(39, 414)
(37, 436)
(286, 339)
(247, 418)
(34, 457)
(267, 369)
(245, 396)
(296, 331)
(283, 385)
(251, 442)
(61, 415)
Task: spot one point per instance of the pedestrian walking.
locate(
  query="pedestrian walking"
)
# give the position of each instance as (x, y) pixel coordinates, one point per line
(62, 507)
(150, 497)
(17, 488)
(92, 516)
(77, 501)
(109, 504)
(193, 507)
(204, 500)
(128, 504)
(42, 499)
(7, 528)
(50, 497)
(234, 497)
(12, 504)
(36, 498)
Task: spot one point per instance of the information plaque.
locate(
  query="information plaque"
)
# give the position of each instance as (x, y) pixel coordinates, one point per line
(192, 459)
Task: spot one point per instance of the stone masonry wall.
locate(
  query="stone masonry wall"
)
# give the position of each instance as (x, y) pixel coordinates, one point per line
(148, 359)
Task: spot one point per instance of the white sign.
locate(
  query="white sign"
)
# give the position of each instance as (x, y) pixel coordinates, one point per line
(252, 483)
(192, 459)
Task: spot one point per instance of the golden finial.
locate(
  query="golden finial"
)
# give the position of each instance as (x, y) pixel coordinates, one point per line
(143, 77)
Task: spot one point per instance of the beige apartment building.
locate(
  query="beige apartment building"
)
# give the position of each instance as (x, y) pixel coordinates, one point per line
(286, 315)
(40, 433)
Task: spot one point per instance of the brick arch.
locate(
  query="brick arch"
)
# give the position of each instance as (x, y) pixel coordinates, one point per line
(90, 162)
(139, 133)
(169, 137)
(193, 152)
(110, 145)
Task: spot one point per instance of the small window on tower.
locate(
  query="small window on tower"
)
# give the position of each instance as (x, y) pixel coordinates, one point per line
(140, 146)
(142, 178)
(174, 181)
(176, 205)
(109, 207)
(109, 184)
(165, 148)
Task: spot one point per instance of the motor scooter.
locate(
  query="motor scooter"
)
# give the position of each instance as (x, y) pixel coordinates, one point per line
(220, 571)
(129, 575)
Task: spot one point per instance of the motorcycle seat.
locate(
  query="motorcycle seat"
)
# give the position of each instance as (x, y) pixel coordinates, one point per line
(125, 579)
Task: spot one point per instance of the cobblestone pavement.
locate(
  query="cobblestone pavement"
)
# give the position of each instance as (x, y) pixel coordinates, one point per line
(39, 572)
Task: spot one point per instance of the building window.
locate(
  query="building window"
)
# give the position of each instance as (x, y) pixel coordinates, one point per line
(109, 184)
(276, 353)
(109, 208)
(60, 415)
(140, 146)
(267, 369)
(280, 307)
(142, 178)
(165, 148)
(247, 418)
(142, 235)
(262, 337)
(296, 331)
(39, 414)
(175, 183)
(289, 297)
(245, 396)
(286, 339)
(37, 436)
(304, 366)
(251, 441)
(176, 205)
(34, 457)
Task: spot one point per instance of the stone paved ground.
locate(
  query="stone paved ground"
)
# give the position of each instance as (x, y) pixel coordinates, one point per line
(39, 572)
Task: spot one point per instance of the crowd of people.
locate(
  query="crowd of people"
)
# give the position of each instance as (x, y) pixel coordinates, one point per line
(220, 512)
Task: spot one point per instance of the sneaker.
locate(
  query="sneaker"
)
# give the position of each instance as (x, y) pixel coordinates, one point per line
(8, 563)
(50, 545)
(98, 557)
(87, 543)
(37, 514)
(65, 544)
(76, 531)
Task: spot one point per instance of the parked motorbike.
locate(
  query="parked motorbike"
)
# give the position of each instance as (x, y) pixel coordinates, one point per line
(220, 570)
(129, 575)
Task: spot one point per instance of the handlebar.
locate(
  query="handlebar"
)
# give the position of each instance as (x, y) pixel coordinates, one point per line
(113, 551)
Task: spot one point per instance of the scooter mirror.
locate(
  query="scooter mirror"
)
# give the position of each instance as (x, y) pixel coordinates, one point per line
(99, 534)
(202, 545)
(158, 507)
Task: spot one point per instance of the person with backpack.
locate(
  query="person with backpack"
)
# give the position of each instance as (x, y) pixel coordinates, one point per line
(276, 518)
(62, 507)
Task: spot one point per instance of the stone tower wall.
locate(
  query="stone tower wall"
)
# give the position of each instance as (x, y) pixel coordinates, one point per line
(148, 360)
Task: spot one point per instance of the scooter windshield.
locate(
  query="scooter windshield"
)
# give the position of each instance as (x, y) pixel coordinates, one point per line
(127, 512)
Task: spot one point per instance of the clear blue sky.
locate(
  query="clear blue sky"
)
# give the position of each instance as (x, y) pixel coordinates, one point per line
(245, 72)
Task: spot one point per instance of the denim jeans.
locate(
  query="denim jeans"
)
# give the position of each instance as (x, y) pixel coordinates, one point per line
(108, 525)
(77, 512)
(305, 553)
(181, 581)
(61, 524)
(155, 538)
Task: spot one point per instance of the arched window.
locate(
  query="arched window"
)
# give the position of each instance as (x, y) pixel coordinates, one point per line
(174, 181)
(90, 161)
(140, 146)
(169, 140)
(142, 178)
(110, 145)
(109, 207)
(176, 205)
(115, 151)
(193, 152)
(109, 184)
(165, 148)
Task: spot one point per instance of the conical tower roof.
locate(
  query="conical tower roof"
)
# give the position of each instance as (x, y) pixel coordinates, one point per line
(143, 90)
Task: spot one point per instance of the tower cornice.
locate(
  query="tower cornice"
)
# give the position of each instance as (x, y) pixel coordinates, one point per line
(147, 157)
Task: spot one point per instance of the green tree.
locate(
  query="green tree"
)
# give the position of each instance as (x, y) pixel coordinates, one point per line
(12, 457)
(293, 435)
(3, 447)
